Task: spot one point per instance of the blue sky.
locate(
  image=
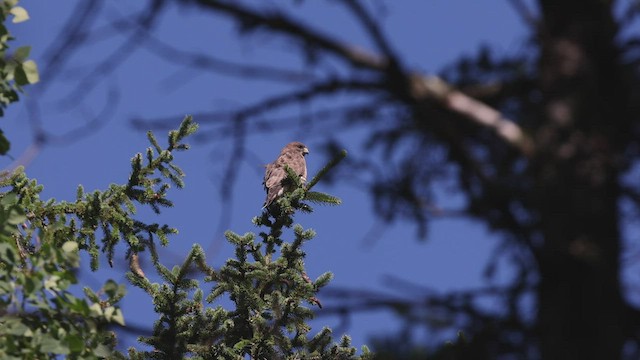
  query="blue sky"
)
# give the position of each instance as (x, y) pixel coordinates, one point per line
(428, 34)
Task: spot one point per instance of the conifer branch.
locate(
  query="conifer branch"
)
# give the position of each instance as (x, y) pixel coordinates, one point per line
(293, 200)
(106, 215)
(322, 198)
(266, 280)
(273, 297)
(335, 161)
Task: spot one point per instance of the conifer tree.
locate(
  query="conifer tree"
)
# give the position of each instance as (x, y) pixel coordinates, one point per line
(40, 241)
(42, 315)
(273, 297)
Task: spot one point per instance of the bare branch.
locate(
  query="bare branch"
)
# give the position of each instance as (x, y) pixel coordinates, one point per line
(525, 13)
(324, 88)
(69, 39)
(454, 302)
(206, 62)
(225, 189)
(26, 157)
(224, 127)
(96, 121)
(146, 21)
(316, 90)
(282, 24)
(433, 87)
(421, 87)
(372, 28)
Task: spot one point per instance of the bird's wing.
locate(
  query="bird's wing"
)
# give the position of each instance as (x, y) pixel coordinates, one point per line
(274, 176)
(299, 166)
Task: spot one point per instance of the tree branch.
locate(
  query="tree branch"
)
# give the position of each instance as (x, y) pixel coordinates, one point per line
(208, 63)
(433, 87)
(330, 116)
(372, 28)
(421, 87)
(525, 13)
(281, 24)
(118, 56)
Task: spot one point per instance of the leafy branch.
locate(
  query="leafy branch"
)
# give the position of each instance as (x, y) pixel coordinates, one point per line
(266, 282)
(106, 214)
(39, 252)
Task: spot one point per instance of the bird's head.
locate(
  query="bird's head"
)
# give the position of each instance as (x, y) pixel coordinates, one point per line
(298, 146)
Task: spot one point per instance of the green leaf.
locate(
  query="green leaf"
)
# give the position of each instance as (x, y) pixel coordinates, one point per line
(96, 310)
(30, 69)
(90, 294)
(74, 343)
(110, 288)
(20, 76)
(22, 53)
(31, 285)
(70, 246)
(241, 344)
(4, 144)
(49, 344)
(8, 253)
(13, 326)
(52, 283)
(117, 317)
(80, 306)
(102, 351)
(9, 199)
(20, 14)
(16, 216)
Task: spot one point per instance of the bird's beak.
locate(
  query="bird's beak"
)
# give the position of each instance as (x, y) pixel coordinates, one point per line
(305, 151)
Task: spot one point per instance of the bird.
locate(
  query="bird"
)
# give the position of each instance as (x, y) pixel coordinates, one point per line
(292, 155)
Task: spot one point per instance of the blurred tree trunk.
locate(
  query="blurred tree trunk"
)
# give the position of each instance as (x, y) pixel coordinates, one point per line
(580, 142)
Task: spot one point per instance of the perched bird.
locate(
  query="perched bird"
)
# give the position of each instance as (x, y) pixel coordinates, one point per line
(292, 155)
